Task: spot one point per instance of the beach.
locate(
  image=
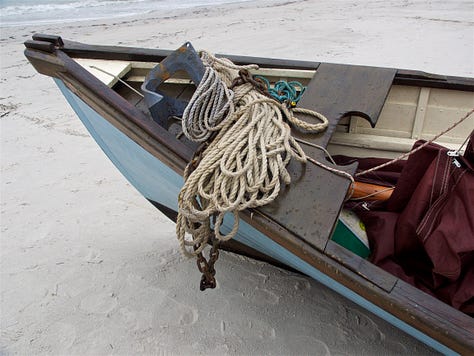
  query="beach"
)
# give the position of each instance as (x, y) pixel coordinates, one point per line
(89, 267)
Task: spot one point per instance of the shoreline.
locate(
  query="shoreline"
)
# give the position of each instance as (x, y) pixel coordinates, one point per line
(147, 15)
(117, 15)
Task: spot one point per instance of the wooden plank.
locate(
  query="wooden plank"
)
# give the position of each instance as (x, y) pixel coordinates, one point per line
(105, 70)
(284, 73)
(339, 90)
(311, 204)
(362, 267)
(138, 74)
(420, 115)
(379, 142)
(403, 76)
(335, 91)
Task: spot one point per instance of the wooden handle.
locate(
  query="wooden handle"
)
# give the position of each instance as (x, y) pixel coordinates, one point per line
(367, 191)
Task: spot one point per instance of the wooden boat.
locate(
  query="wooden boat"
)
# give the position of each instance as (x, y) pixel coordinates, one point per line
(372, 112)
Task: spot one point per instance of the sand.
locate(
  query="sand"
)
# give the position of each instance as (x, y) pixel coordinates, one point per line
(89, 267)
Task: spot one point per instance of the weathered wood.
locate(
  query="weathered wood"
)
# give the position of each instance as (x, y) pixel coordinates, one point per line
(362, 267)
(403, 76)
(339, 90)
(374, 142)
(80, 50)
(40, 45)
(108, 71)
(120, 113)
(336, 90)
(423, 79)
(277, 73)
(53, 39)
(312, 219)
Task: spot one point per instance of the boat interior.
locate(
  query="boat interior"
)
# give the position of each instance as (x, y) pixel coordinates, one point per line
(386, 125)
(409, 113)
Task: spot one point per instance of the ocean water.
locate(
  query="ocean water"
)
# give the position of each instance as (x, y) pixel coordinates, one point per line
(23, 12)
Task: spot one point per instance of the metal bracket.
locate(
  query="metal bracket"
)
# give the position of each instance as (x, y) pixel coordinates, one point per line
(162, 107)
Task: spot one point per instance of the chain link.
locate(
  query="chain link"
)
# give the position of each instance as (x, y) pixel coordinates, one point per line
(206, 267)
(246, 77)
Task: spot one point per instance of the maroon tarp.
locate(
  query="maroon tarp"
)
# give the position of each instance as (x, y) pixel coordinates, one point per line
(424, 233)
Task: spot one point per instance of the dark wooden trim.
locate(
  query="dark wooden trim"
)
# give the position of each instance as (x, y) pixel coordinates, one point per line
(80, 50)
(240, 249)
(362, 267)
(403, 76)
(422, 79)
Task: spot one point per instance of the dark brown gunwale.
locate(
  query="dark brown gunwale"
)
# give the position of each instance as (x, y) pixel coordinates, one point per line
(425, 313)
(403, 76)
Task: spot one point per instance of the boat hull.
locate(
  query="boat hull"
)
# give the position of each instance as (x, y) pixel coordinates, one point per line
(161, 185)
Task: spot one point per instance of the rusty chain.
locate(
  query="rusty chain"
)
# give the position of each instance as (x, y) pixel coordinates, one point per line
(206, 267)
(246, 77)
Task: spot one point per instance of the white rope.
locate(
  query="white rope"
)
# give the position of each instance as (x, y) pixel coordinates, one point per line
(211, 104)
(307, 126)
(245, 163)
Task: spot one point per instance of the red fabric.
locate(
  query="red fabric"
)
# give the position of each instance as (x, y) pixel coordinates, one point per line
(424, 233)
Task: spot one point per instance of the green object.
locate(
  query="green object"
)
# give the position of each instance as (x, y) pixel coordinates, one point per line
(350, 234)
(283, 91)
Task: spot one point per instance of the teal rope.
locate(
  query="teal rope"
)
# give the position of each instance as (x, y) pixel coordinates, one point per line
(283, 91)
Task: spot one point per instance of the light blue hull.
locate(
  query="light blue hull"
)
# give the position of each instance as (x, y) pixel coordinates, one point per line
(157, 182)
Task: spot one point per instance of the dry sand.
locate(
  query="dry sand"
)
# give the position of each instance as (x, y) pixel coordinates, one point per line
(89, 267)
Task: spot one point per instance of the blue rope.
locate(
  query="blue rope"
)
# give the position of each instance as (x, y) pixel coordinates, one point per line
(283, 91)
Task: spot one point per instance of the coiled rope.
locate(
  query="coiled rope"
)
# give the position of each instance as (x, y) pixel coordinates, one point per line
(246, 146)
(283, 91)
(213, 102)
(244, 164)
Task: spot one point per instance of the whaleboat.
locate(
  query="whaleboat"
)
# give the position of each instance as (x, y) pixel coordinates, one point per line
(126, 98)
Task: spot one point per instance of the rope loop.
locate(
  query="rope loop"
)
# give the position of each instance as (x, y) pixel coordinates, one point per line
(244, 164)
(211, 103)
(283, 91)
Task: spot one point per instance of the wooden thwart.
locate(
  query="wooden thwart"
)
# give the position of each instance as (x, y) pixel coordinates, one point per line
(335, 91)
(106, 71)
(339, 90)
